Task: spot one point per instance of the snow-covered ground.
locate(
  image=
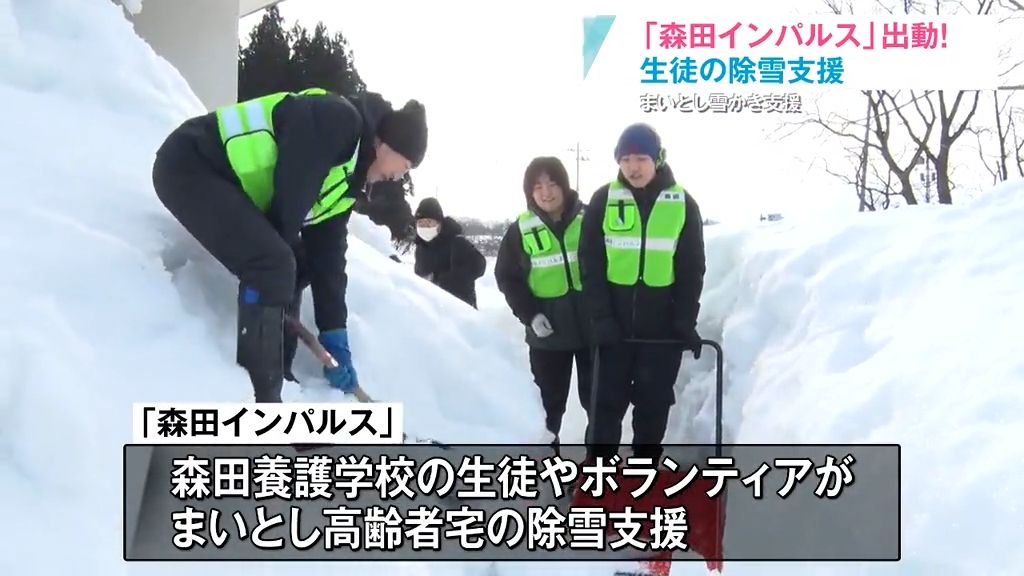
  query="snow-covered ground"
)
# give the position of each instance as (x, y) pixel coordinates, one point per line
(895, 327)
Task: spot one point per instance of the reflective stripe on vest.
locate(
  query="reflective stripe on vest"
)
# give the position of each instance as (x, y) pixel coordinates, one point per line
(628, 246)
(549, 275)
(247, 133)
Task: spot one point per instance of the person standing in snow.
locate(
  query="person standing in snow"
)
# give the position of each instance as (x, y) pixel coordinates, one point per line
(537, 270)
(266, 186)
(443, 255)
(642, 263)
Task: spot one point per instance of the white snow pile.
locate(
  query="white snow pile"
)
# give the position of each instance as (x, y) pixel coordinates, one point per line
(895, 327)
(93, 321)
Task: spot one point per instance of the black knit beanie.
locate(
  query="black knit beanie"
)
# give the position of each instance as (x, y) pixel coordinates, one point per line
(430, 208)
(639, 139)
(405, 131)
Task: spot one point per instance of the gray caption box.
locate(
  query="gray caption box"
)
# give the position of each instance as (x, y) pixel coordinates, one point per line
(863, 523)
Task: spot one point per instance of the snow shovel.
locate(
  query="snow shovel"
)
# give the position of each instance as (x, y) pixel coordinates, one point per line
(325, 357)
(705, 516)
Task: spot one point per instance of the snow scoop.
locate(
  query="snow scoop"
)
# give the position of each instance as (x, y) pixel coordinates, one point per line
(328, 360)
(705, 516)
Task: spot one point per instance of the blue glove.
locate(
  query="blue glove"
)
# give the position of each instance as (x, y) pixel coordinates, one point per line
(343, 377)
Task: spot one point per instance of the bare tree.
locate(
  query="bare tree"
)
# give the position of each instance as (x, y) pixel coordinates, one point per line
(948, 134)
(863, 160)
(873, 191)
(1016, 117)
(869, 138)
(1003, 111)
(875, 136)
(902, 141)
(947, 119)
(1001, 171)
(883, 132)
(1010, 142)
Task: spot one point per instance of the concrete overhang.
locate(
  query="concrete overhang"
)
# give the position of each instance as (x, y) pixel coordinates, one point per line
(246, 7)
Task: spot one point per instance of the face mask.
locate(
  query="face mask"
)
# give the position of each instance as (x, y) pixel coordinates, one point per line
(427, 233)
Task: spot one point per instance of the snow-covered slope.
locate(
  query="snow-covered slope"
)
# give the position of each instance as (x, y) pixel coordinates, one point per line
(92, 321)
(878, 328)
(895, 327)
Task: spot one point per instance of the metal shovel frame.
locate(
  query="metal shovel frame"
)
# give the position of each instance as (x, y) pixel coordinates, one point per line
(716, 564)
(719, 379)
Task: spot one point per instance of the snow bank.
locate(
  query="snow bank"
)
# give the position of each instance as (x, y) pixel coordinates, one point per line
(894, 327)
(871, 328)
(373, 235)
(94, 321)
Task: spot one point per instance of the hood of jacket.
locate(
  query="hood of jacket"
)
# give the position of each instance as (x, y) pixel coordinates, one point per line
(372, 107)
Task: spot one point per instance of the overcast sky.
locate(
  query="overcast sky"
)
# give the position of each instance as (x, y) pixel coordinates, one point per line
(503, 85)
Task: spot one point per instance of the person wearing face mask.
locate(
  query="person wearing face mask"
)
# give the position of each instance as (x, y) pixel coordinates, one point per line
(643, 265)
(443, 255)
(537, 270)
(266, 186)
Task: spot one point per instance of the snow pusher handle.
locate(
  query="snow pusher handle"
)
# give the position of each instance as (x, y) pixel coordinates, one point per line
(719, 378)
(705, 517)
(320, 352)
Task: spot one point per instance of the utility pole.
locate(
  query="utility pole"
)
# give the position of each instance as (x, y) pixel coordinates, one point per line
(581, 156)
(928, 178)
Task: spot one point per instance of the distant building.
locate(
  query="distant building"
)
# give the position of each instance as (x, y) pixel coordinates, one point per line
(771, 217)
(200, 39)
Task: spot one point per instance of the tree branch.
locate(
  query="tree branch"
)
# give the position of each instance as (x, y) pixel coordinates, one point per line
(981, 155)
(967, 120)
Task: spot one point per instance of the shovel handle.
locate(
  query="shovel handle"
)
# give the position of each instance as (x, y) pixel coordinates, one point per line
(325, 357)
(319, 351)
(311, 342)
(719, 379)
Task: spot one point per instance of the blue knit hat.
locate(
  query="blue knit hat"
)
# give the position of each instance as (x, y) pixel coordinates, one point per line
(639, 139)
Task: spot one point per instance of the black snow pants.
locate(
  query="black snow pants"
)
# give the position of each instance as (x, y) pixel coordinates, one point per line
(219, 215)
(552, 371)
(641, 374)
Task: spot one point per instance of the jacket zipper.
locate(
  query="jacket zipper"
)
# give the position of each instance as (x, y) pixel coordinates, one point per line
(572, 297)
(640, 270)
(568, 273)
(565, 262)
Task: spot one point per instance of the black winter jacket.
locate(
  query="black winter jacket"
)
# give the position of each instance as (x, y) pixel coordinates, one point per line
(314, 134)
(451, 261)
(566, 314)
(641, 311)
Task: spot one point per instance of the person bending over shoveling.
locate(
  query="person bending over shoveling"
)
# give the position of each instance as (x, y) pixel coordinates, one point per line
(267, 186)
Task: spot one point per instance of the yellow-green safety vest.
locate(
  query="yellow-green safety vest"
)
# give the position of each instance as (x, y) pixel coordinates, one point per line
(554, 267)
(638, 255)
(247, 133)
